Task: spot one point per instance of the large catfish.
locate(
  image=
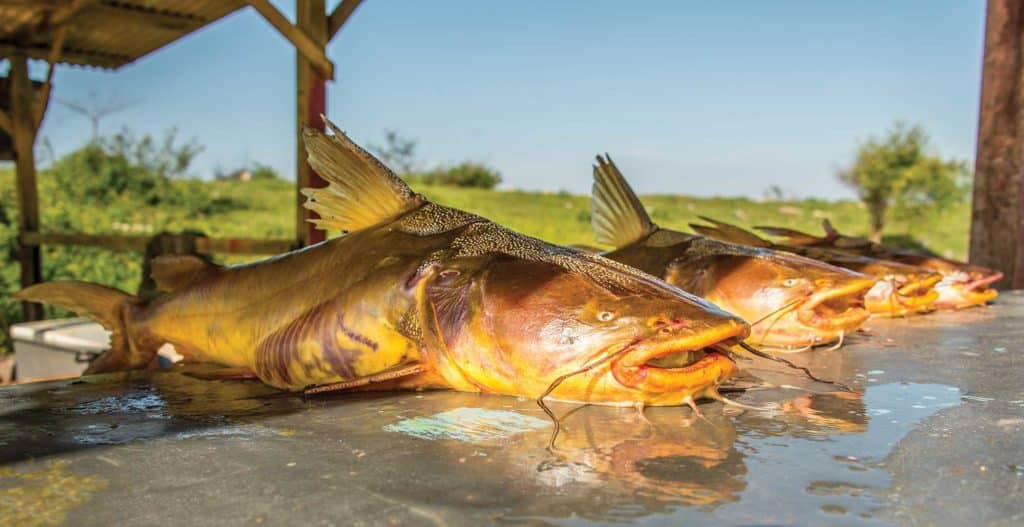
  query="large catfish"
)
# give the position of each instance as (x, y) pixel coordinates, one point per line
(963, 284)
(899, 289)
(417, 295)
(791, 302)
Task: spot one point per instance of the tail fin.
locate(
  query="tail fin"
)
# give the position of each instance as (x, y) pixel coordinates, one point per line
(104, 305)
(619, 218)
(729, 233)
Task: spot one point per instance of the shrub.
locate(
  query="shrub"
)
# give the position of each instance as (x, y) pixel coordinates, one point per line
(465, 174)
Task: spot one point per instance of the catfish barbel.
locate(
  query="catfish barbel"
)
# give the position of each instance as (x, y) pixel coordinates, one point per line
(417, 295)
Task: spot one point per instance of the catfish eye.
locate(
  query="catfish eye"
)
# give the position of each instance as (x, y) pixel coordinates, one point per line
(790, 282)
(450, 273)
(605, 316)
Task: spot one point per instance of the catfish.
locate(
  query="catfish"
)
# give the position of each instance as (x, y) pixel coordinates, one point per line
(416, 295)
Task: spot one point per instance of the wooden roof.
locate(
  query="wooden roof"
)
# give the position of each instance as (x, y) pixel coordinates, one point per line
(103, 33)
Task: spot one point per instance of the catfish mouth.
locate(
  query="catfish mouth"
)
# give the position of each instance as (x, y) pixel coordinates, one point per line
(840, 308)
(919, 294)
(961, 291)
(978, 290)
(687, 364)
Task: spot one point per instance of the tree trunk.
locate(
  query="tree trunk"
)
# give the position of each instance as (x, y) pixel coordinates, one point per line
(877, 213)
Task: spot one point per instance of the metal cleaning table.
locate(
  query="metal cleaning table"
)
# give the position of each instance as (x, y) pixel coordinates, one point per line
(935, 439)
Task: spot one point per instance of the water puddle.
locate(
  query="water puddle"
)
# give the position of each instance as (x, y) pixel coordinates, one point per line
(813, 459)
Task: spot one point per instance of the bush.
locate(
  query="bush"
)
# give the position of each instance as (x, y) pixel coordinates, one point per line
(899, 172)
(465, 174)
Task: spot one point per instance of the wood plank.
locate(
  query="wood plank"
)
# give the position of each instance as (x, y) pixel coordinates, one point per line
(5, 123)
(339, 16)
(306, 44)
(311, 16)
(997, 215)
(43, 99)
(68, 56)
(119, 242)
(68, 11)
(23, 138)
(113, 15)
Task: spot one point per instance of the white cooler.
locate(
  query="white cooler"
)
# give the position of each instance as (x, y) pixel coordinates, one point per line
(50, 348)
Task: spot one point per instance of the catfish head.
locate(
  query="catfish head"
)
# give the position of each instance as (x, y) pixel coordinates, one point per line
(790, 301)
(899, 289)
(962, 284)
(532, 319)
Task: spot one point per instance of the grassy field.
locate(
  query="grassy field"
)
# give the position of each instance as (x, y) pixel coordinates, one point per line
(266, 209)
(565, 218)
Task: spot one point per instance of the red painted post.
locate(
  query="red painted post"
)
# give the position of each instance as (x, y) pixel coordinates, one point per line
(311, 91)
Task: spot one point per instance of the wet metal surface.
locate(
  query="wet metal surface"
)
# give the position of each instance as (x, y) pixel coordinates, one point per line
(936, 439)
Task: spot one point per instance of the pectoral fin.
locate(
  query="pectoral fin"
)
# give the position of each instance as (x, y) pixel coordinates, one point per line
(396, 378)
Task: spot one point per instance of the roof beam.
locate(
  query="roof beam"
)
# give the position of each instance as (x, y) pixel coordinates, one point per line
(43, 99)
(303, 43)
(72, 56)
(340, 15)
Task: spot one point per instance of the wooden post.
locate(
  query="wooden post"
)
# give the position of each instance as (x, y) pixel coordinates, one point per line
(997, 217)
(311, 18)
(23, 138)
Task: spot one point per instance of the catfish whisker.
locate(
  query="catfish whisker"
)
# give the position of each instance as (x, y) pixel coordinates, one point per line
(806, 371)
(561, 378)
(783, 308)
(842, 335)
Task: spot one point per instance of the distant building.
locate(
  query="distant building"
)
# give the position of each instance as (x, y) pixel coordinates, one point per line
(242, 174)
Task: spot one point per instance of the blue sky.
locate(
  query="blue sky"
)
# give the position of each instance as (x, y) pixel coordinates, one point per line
(705, 98)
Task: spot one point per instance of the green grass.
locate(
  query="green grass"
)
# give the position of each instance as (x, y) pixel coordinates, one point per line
(267, 209)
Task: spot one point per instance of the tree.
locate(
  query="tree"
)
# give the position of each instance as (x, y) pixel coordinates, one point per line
(900, 173)
(399, 153)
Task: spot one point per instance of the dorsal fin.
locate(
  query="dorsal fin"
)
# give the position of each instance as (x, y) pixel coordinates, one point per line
(618, 217)
(729, 233)
(173, 272)
(842, 241)
(361, 192)
(830, 231)
(791, 236)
